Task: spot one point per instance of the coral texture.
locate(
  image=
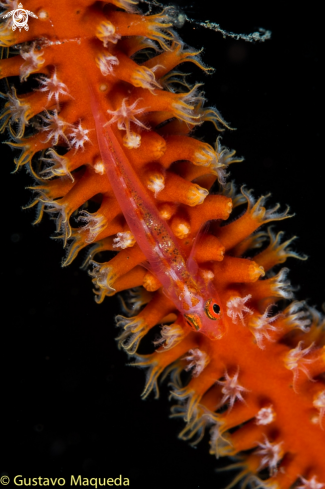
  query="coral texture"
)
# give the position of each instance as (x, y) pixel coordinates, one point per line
(263, 375)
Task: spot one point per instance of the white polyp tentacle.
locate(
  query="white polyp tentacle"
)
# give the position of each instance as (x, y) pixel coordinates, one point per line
(270, 454)
(170, 337)
(99, 167)
(62, 220)
(55, 128)
(197, 361)
(134, 300)
(94, 225)
(76, 244)
(220, 444)
(319, 403)
(310, 483)
(230, 190)
(78, 137)
(207, 157)
(317, 318)
(33, 61)
(134, 329)
(156, 183)
(295, 360)
(54, 86)
(231, 390)
(56, 166)
(282, 250)
(132, 140)
(145, 78)
(185, 106)
(106, 33)
(128, 5)
(160, 32)
(182, 230)
(15, 111)
(265, 416)
(103, 279)
(259, 212)
(261, 325)
(189, 398)
(153, 372)
(213, 115)
(106, 62)
(236, 308)
(171, 78)
(226, 156)
(296, 317)
(124, 240)
(195, 428)
(280, 286)
(196, 195)
(123, 117)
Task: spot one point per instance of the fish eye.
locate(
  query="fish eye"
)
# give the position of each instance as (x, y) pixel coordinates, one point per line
(212, 310)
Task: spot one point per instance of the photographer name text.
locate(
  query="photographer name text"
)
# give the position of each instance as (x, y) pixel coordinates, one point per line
(19, 480)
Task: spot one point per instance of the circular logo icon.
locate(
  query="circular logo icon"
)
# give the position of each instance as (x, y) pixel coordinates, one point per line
(4, 480)
(20, 19)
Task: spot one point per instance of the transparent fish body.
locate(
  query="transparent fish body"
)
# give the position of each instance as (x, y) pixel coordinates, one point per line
(180, 280)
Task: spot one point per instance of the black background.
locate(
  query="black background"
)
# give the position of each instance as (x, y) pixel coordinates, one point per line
(69, 403)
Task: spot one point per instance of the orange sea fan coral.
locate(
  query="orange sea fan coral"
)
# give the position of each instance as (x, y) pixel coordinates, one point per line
(180, 191)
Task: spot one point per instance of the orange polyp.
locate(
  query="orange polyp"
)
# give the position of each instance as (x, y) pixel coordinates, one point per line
(139, 25)
(151, 283)
(215, 207)
(167, 210)
(180, 227)
(176, 189)
(201, 384)
(160, 101)
(182, 148)
(208, 249)
(268, 259)
(157, 309)
(317, 366)
(284, 479)
(168, 60)
(116, 225)
(235, 232)
(109, 207)
(10, 66)
(191, 172)
(76, 160)
(125, 260)
(126, 67)
(58, 188)
(176, 126)
(167, 357)
(134, 278)
(263, 290)
(237, 270)
(87, 187)
(247, 437)
(241, 413)
(38, 102)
